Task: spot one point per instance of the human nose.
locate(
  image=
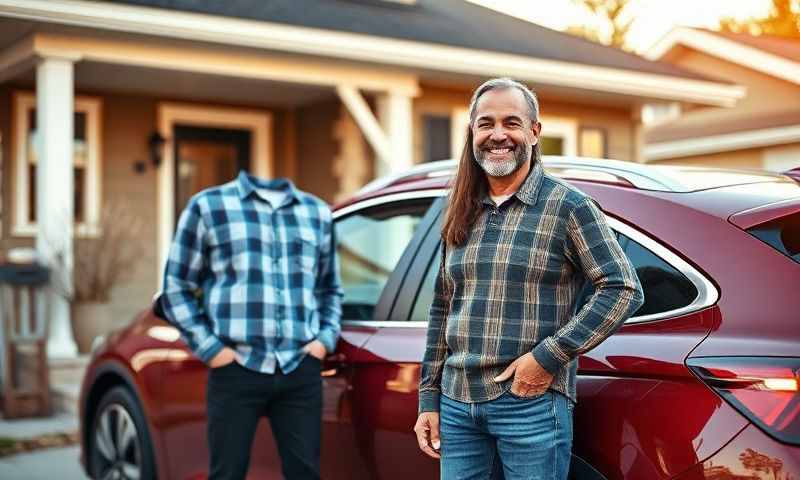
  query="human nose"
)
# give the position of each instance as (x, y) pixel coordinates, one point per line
(498, 133)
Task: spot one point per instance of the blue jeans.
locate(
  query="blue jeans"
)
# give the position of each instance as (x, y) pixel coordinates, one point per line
(507, 438)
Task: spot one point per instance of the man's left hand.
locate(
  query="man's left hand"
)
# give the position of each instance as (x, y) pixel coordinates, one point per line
(316, 349)
(530, 378)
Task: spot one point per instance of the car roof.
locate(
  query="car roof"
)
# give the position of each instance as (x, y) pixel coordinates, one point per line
(719, 191)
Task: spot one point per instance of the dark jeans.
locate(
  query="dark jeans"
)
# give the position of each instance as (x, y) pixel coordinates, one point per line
(239, 397)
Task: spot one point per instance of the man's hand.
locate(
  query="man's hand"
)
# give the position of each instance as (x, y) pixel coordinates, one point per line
(427, 430)
(316, 349)
(530, 378)
(224, 357)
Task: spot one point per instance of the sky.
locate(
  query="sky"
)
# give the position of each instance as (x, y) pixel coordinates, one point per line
(652, 18)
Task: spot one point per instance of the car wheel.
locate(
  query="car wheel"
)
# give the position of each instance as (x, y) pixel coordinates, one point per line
(119, 445)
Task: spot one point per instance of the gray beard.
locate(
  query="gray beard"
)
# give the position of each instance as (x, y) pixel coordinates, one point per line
(502, 169)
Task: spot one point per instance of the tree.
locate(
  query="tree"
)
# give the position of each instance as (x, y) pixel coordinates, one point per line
(783, 19)
(612, 15)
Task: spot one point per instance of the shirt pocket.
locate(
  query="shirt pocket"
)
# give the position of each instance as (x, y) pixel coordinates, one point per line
(305, 254)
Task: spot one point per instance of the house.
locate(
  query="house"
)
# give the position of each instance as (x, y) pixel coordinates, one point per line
(760, 131)
(145, 102)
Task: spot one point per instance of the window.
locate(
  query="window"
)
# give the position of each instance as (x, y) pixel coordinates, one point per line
(558, 136)
(425, 294)
(782, 234)
(370, 244)
(593, 142)
(86, 175)
(665, 288)
(437, 137)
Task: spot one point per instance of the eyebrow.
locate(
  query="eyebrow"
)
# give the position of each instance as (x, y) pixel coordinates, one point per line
(489, 117)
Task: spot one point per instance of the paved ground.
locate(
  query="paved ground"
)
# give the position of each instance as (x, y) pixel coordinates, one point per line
(50, 463)
(33, 427)
(54, 463)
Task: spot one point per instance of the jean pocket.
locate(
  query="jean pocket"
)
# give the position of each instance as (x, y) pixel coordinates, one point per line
(520, 397)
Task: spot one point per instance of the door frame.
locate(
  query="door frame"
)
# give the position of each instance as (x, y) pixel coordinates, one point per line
(259, 123)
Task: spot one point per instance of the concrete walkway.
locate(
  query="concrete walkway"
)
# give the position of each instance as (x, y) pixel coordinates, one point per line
(58, 463)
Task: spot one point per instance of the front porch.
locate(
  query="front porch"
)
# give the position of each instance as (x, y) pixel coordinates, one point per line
(82, 113)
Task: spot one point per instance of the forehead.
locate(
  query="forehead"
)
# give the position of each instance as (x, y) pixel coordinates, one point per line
(504, 102)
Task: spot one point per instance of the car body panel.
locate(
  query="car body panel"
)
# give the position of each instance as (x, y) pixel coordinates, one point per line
(641, 413)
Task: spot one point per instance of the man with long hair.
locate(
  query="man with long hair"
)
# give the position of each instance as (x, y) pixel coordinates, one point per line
(505, 328)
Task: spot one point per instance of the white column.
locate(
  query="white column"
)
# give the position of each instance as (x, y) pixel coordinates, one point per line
(395, 115)
(55, 193)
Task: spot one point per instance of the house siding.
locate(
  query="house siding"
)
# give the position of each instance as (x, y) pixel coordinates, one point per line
(618, 123)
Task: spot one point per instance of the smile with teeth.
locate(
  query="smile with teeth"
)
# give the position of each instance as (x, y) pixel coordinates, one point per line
(500, 151)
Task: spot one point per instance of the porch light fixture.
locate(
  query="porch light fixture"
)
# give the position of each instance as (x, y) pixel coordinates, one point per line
(156, 144)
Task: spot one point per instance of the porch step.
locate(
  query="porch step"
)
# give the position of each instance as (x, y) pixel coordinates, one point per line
(66, 376)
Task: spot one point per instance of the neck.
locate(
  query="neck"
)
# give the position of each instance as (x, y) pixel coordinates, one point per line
(509, 184)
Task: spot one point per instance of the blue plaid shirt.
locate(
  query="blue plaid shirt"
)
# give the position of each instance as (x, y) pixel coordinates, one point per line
(262, 279)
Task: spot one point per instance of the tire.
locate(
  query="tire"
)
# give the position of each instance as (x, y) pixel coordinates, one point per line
(119, 442)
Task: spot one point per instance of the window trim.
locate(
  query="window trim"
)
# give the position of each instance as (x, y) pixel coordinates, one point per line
(92, 108)
(564, 128)
(707, 293)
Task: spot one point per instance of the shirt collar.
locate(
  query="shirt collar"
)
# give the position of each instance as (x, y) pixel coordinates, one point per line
(528, 192)
(248, 184)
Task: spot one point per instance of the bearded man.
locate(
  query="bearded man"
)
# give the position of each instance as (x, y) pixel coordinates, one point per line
(506, 326)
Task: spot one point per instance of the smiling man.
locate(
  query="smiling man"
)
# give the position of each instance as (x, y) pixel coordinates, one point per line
(505, 328)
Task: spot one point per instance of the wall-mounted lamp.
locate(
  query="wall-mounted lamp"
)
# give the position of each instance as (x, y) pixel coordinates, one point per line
(156, 144)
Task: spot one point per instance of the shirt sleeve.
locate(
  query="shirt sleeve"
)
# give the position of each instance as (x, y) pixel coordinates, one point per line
(594, 250)
(328, 290)
(436, 345)
(182, 281)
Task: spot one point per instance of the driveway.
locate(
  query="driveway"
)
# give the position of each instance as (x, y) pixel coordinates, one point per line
(60, 463)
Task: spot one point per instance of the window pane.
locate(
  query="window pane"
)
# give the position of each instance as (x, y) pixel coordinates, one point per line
(665, 288)
(437, 137)
(782, 234)
(425, 295)
(370, 243)
(79, 177)
(552, 145)
(593, 142)
(80, 149)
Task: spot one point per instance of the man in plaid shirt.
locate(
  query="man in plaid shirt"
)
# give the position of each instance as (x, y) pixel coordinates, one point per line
(252, 283)
(506, 326)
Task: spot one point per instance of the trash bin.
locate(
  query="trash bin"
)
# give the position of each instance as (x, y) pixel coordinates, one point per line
(23, 338)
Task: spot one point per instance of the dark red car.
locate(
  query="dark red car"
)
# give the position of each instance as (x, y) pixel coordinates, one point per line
(702, 383)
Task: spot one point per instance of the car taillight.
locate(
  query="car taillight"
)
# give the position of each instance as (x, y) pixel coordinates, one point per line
(764, 389)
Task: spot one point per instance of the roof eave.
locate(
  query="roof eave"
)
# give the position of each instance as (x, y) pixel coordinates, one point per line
(372, 49)
(726, 49)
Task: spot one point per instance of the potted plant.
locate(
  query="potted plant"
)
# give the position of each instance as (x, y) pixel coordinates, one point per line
(100, 263)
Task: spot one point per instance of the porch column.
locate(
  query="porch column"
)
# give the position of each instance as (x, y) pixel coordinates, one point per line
(395, 115)
(55, 193)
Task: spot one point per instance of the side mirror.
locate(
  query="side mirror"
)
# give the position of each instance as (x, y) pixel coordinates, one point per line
(158, 308)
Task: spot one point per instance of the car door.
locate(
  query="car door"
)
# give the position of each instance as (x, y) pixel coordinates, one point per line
(388, 385)
(657, 419)
(378, 240)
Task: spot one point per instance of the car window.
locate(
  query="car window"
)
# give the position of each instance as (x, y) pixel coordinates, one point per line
(665, 288)
(782, 234)
(425, 295)
(370, 243)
